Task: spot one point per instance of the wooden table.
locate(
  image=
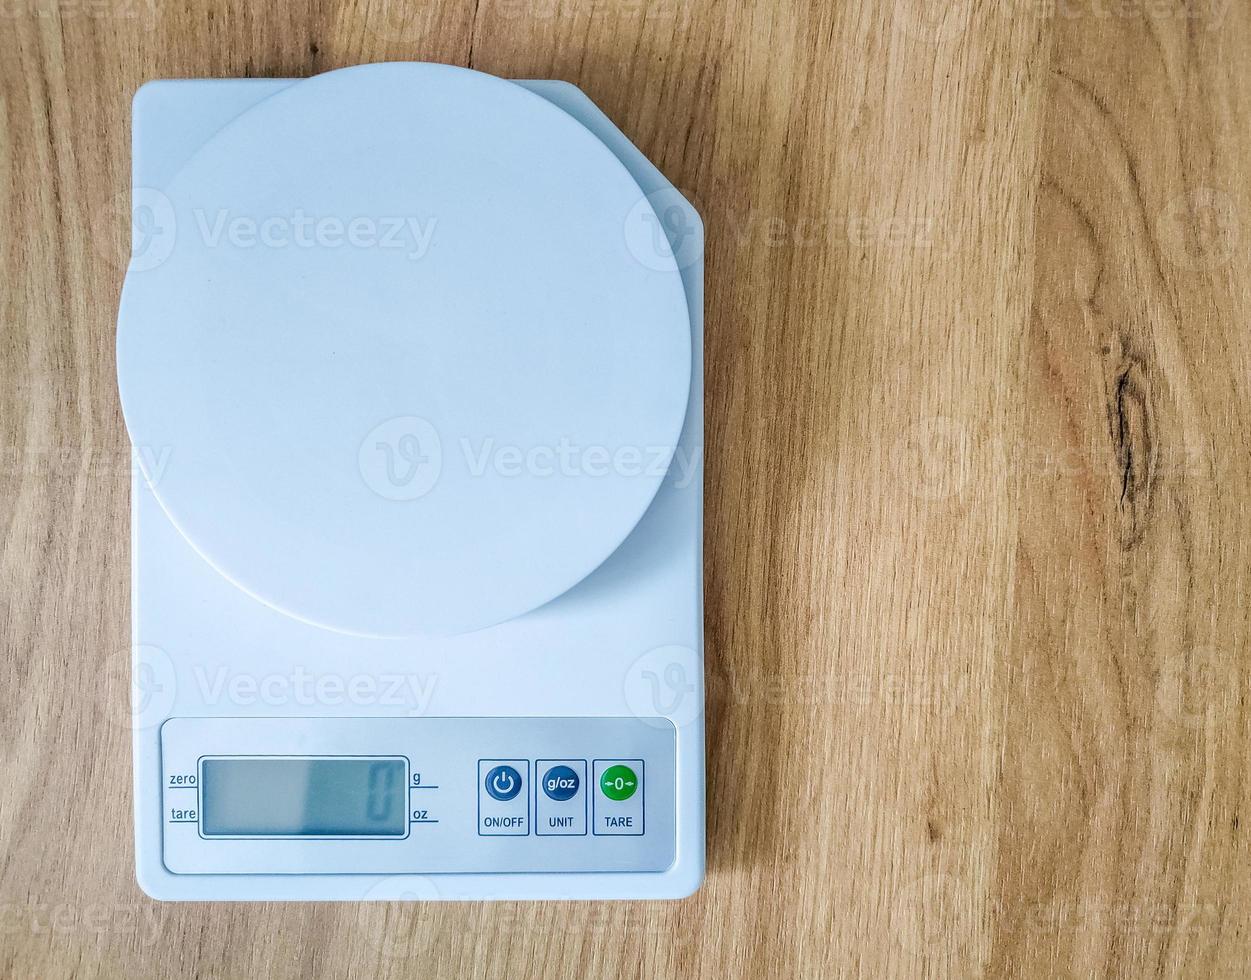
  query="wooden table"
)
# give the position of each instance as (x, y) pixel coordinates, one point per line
(978, 492)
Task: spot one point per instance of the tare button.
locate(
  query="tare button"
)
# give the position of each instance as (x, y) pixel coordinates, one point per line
(503, 797)
(618, 806)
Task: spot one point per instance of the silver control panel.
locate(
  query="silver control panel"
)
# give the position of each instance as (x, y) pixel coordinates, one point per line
(417, 795)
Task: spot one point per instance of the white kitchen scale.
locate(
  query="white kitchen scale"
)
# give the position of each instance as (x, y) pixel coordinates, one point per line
(411, 358)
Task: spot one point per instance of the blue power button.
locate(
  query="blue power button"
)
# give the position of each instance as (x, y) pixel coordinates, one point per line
(503, 783)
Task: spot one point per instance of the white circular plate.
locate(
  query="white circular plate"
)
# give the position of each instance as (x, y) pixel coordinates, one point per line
(403, 371)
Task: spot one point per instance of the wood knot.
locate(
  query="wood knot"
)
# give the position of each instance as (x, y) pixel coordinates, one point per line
(1132, 423)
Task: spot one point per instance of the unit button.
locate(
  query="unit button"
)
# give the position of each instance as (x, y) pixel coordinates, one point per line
(503, 799)
(618, 809)
(560, 783)
(561, 806)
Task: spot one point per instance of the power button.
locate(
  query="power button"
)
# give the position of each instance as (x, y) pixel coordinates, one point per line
(504, 797)
(503, 783)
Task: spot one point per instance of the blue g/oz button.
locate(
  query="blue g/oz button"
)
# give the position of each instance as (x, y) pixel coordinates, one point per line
(560, 783)
(503, 783)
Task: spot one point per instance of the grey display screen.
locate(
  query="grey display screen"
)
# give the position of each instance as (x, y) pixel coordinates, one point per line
(303, 797)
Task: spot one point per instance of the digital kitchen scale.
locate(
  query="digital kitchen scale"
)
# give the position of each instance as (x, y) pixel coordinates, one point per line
(411, 359)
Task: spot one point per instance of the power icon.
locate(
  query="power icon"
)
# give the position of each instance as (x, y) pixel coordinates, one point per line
(503, 783)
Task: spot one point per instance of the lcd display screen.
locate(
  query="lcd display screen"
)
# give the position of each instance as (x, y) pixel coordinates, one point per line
(303, 797)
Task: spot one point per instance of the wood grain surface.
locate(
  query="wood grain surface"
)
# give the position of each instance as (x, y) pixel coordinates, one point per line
(978, 495)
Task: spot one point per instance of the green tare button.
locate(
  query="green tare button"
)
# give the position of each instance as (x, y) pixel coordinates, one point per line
(618, 782)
